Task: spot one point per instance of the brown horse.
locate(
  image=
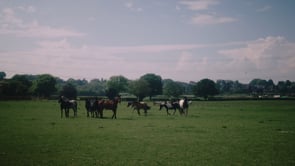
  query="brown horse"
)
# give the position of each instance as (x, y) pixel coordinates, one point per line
(109, 105)
(139, 105)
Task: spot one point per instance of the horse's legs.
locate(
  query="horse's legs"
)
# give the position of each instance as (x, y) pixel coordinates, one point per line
(180, 111)
(96, 113)
(61, 113)
(138, 112)
(101, 113)
(75, 112)
(145, 112)
(167, 111)
(114, 114)
(67, 110)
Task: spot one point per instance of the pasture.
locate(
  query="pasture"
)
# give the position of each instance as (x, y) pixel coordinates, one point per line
(214, 133)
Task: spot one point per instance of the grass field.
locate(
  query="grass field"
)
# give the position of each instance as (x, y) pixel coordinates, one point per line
(214, 133)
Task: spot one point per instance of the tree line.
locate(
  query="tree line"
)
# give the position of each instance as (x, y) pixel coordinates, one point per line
(148, 85)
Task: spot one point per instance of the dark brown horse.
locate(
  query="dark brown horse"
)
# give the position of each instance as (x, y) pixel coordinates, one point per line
(109, 105)
(139, 105)
(66, 105)
(92, 107)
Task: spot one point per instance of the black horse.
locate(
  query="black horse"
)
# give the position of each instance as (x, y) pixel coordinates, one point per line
(169, 106)
(92, 107)
(66, 105)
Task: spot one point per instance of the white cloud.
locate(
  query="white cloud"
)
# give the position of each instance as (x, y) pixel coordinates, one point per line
(271, 56)
(198, 4)
(184, 61)
(91, 19)
(62, 59)
(131, 5)
(206, 19)
(8, 19)
(264, 8)
(11, 24)
(27, 9)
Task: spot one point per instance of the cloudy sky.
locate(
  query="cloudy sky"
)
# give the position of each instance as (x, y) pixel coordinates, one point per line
(184, 40)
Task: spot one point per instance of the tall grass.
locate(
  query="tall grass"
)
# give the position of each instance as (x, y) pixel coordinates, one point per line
(214, 133)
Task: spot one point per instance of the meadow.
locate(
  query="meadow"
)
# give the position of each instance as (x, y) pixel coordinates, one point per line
(214, 133)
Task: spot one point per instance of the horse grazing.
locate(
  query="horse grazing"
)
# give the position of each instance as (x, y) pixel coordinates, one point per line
(169, 106)
(139, 105)
(183, 106)
(66, 105)
(109, 105)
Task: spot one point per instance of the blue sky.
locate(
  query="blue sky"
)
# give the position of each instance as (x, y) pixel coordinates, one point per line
(184, 40)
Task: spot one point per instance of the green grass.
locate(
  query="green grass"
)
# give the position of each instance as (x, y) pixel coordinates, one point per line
(214, 133)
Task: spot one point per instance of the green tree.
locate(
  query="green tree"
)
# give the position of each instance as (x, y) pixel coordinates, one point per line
(172, 88)
(155, 84)
(13, 88)
(205, 88)
(140, 88)
(118, 83)
(44, 85)
(18, 85)
(24, 84)
(258, 86)
(98, 86)
(69, 91)
(286, 87)
(115, 85)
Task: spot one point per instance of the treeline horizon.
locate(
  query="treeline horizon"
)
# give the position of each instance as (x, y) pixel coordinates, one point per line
(32, 85)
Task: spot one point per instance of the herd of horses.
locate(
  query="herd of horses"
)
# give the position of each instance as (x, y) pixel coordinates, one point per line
(95, 107)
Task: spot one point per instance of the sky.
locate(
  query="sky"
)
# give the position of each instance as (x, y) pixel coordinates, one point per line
(183, 40)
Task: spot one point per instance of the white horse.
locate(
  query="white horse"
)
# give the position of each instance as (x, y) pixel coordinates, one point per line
(183, 106)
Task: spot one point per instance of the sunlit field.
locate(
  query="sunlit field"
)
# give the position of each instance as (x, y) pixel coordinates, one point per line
(214, 133)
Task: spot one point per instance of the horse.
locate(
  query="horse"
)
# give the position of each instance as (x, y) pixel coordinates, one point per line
(109, 105)
(169, 105)
(139, 105)
(91, 106)
(66, 105)
(183, 106)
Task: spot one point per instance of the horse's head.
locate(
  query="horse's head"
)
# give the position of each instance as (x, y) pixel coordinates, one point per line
(60, 99)
(183, 103)
(129, 103)
(117, 99)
